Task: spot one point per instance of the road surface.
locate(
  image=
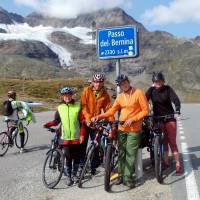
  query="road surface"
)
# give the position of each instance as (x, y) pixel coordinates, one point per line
(20, 174)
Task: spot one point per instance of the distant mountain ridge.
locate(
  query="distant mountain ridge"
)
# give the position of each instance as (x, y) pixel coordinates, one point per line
(103, 18)
(9, 18)
(178, 58)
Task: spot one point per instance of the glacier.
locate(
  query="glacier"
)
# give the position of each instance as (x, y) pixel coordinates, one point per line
(25, 32)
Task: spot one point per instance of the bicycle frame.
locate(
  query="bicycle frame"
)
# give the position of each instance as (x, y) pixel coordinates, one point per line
(157, 141)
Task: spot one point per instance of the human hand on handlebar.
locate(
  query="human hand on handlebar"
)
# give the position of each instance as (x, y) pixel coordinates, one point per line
(113, 132)
(81, 139)
(88, 123)
(94, 119)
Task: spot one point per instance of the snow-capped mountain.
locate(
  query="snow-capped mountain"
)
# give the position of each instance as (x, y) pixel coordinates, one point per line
(69, 39)
(39, 46)
(24, 32)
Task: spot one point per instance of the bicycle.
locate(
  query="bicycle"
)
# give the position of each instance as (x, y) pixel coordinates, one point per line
(54, 163)
(111, 160)
(8, 139)
(156, 147)
(109, 152)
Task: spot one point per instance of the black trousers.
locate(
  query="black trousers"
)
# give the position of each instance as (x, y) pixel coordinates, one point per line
(96, 160)
(72, 155)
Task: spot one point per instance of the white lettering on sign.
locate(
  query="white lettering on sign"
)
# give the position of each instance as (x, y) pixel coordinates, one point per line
(122, 42)
(104, 43)
(116, 34)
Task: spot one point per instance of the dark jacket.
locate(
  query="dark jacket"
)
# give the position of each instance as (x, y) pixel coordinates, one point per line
(162, 100)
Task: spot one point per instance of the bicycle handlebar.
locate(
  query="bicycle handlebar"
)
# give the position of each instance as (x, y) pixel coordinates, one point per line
(162, 116)
(106, 122)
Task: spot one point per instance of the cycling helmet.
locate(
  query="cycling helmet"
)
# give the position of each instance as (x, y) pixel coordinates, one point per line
(98, 78)
(11, 94)
(89, 81)
(121, 78)
(66, 90)
(158, 76)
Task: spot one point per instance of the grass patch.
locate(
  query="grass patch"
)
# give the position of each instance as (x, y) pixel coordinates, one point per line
(45, 91)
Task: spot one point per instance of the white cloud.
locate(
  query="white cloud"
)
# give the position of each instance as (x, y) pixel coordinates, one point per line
(178, 11)
(71, 8)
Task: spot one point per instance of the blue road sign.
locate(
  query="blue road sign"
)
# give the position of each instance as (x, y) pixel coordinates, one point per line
(117, 42)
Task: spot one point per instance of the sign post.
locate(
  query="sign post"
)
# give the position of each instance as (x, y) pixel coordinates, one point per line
(117, 43)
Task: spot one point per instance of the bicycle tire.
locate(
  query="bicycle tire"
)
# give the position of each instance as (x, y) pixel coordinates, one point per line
(158, 157)
(55, 164)
(4, 143)
(88, 160)
(17, 138)
(108, 167)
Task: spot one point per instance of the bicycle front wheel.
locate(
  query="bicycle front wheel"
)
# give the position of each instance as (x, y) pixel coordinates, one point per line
(18, 139)
(109, 166)
(53, 168)
(89, 158)
(4, 143)
(158, 157)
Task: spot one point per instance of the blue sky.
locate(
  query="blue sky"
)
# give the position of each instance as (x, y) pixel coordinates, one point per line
(179, 17)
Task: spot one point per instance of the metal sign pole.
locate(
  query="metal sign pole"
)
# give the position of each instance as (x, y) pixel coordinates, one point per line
(118, 73)
(118, 89)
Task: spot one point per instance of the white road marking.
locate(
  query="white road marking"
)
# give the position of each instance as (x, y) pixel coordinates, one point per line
(182, 137)
(190, 181)
(191, 185)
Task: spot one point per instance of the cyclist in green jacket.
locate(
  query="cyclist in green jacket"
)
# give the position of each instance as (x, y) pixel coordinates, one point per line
(12, 108)
(70, 118)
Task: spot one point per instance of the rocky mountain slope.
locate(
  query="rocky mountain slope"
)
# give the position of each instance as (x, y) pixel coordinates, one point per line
(178, 58)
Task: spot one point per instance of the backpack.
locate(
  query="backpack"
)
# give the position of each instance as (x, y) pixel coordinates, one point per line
(7, 108)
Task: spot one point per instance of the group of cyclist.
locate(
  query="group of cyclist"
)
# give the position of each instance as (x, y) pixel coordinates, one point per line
(75, 121)
(95, 104)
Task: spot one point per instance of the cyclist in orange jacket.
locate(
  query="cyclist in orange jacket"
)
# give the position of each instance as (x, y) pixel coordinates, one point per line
(94, 100)
(133, 107)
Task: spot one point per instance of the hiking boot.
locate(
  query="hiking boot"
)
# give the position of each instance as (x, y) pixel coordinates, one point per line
(178, 169)
(129, 184)
(75, 179)
(69, 181)
(93, 171)
(119, 181)
(21, 150)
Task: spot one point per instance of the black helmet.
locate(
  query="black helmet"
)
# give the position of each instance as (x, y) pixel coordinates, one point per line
(158, 76)
(11, 94)
(121, 78)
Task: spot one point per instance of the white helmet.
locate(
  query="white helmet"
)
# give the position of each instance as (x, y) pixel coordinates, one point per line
(98, 78)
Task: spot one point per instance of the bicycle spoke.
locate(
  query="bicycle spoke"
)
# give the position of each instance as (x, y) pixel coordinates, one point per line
(53, 168)
(4, 143)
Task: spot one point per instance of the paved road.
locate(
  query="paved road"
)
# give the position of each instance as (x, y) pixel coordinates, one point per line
(20, 174)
